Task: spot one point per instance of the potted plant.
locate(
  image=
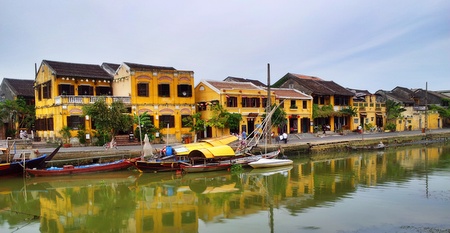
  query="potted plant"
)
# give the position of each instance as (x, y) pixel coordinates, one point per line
(65, 133)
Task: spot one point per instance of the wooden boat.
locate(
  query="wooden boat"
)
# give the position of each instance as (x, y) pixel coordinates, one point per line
(206, 167)
(244, 161)
(17, 167)
(82, 169)
(165, 164)
(265, 163)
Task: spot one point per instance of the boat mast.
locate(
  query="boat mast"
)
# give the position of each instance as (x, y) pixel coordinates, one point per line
(269, 108)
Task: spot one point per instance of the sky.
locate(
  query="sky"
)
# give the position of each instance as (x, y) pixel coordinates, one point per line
(359, 44)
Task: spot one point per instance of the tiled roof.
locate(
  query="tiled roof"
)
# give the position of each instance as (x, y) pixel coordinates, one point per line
(314, 85)
(287, 93)
(111, 66)
(142, 67)
(232, 85)
(236, 79)
(77, 70)
(20, 87)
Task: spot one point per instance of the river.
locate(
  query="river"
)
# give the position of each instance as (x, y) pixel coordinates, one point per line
(395, 190)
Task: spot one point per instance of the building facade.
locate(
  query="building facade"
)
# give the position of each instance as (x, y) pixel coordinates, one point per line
(61, 89)
(166, 94)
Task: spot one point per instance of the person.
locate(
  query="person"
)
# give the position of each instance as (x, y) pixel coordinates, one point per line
(285, 136)
(244, 135)
(324, 127)
(359, 129)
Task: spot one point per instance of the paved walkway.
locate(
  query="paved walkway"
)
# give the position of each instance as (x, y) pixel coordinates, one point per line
(298, 139)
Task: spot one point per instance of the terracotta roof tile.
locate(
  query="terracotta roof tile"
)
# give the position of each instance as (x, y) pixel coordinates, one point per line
(287, 93)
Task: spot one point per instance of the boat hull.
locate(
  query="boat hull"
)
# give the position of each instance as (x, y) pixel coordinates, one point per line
(92, 168)
(158, 166)
(267, 163)
(16, 168)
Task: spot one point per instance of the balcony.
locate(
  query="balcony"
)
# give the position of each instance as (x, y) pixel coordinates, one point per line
(72, 99)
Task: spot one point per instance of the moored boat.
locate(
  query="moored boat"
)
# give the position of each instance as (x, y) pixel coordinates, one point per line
(165, 164)
(17, 167)
(265, 163)
(82, 169)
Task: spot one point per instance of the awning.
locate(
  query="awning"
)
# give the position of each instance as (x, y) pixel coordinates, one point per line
(363, 113)
(379, 114)
(252, 115)
(213, 152)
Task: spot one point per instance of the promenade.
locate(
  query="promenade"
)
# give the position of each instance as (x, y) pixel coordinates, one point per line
(293, 140)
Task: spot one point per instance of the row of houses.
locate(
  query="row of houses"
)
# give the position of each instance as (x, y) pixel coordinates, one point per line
(168, 95)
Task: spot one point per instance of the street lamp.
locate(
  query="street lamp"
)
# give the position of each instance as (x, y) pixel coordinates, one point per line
(140, 126)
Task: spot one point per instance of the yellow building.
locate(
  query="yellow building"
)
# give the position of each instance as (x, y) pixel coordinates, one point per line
(165, 93)
(61, 89)
(298, 107)
(325, 94)
(243, 98)
(371, 110)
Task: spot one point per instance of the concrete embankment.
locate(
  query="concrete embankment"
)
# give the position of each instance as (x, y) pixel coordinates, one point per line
(297, 145)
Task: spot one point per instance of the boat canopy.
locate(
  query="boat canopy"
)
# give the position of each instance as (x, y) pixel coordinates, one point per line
(185, 149)
(213, 152)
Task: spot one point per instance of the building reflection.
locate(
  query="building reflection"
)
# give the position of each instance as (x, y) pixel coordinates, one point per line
(133, 202)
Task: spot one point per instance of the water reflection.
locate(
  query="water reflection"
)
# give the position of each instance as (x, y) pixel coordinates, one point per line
(165, 202)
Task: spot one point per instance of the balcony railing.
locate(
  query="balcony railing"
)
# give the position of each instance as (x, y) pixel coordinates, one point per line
(71, 99)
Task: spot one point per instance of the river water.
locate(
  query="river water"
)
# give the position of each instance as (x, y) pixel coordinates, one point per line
(396, 190)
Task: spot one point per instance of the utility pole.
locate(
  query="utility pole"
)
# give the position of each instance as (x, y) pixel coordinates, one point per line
(426, 107)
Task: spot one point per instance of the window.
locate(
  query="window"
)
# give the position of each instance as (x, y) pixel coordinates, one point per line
(85, 90)
(201, 106)
(164, 90)
(142, 89)
(251, 102)
(66, 89)
(232, 101)
(47, 90)
(184, 90)
(185, 121)
(281, 103)
(75, 122)
(305, 104)
(264, 102)
(39, 92)
(166, 119)
(44, 124)
(293, 104)
(103, 90)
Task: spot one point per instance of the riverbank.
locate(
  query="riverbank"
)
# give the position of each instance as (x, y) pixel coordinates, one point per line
(300, 144)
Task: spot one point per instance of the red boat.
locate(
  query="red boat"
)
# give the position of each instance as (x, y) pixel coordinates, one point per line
(90, 168)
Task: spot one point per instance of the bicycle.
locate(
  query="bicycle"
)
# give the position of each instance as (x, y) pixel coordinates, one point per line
(109, 145)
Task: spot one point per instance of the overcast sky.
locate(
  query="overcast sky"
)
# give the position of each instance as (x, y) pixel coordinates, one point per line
(361, 44)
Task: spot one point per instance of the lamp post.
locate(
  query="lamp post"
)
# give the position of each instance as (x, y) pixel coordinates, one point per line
(140, 126)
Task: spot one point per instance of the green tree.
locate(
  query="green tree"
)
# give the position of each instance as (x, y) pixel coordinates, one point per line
(219, 117)
(322, 112)
(351, 112)
(147, 126)
(393, 112)
(195, 123)
(233, 121)
(108, 120)
(278, 118)
(17, 111)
